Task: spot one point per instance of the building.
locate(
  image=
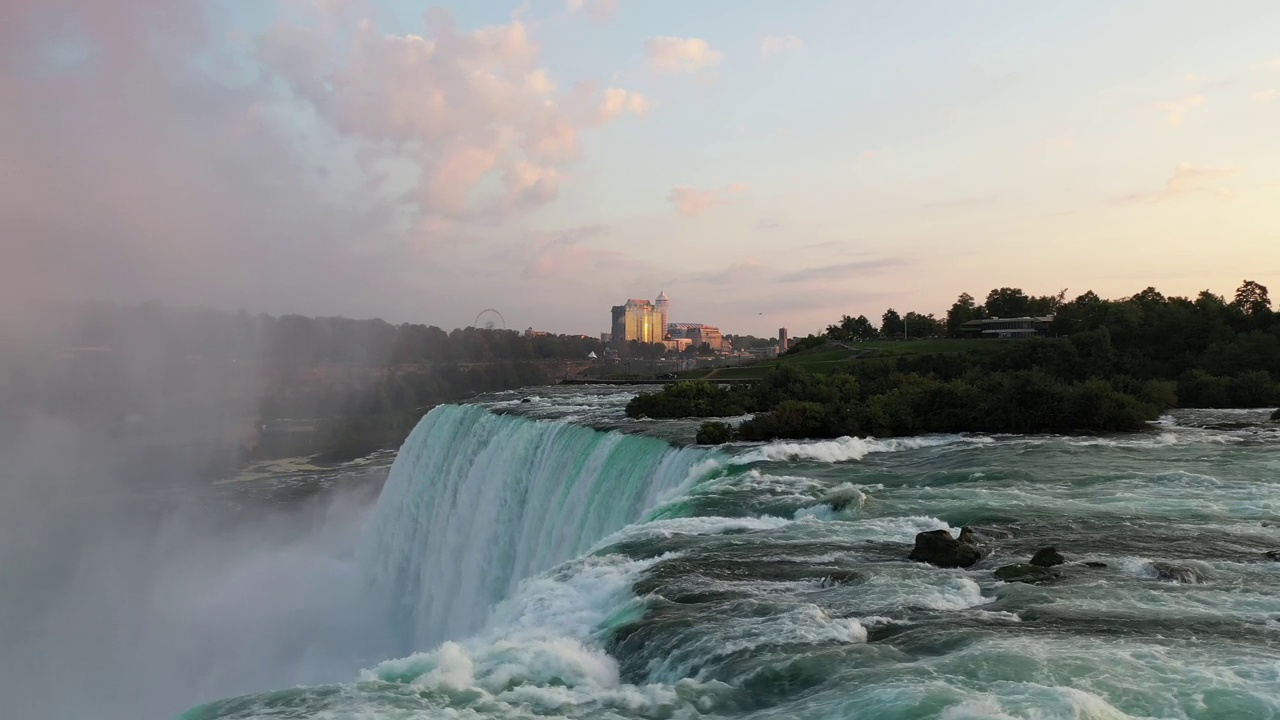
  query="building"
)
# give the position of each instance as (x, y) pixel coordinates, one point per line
(1007, 327)
(636, 320)
(699, 334)
(677, 345)
(782, 340)
(663, 306)
(606, 338)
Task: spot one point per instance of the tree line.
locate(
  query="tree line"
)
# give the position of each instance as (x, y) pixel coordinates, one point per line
(155, 374)
(1111, 365)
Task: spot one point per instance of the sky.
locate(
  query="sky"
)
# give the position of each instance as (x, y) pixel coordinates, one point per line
(766, 164)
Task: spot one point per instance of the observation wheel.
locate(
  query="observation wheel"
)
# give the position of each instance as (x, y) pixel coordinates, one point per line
(490, 319)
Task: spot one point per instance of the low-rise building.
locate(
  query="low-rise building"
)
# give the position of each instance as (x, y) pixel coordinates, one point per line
(699, 335)
(1007, 327)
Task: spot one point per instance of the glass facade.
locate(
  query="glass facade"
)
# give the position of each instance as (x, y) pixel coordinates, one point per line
(638, 320)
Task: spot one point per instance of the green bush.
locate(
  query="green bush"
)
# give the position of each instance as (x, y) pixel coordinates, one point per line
(696, 398)
(714, 433)
(792, 419)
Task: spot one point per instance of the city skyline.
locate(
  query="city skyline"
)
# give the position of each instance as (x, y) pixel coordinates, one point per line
(769, 165)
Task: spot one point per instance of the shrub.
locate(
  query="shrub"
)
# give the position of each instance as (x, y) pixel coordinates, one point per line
(697, 398)
(714, 433)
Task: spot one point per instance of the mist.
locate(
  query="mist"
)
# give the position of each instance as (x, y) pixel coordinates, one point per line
(131, 586)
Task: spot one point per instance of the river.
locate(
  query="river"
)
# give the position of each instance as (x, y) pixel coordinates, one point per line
(543, 556)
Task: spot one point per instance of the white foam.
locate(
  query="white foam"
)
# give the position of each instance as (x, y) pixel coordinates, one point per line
(539, 650)
(701, 525)
(846, 449)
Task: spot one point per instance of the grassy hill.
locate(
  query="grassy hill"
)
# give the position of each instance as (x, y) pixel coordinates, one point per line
(831, 358)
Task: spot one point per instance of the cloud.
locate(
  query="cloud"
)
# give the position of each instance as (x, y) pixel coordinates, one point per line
(555, 254)
(1058, 144)
(773, 45)
(618, 101)
(675, 55)
(843, 270)
(766, 224)
(692, 202)
(1176, 110)
(744, 271)
(601, 11)
(1187, 180)
(1263, 96)
(335, 183)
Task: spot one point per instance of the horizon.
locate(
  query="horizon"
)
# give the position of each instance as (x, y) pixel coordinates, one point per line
(767, 167)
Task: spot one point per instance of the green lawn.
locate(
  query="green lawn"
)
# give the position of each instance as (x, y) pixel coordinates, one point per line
(821, 360)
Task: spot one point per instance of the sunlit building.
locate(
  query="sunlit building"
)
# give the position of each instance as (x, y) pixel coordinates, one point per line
(663, 306)
(637, 320)
(699, 335)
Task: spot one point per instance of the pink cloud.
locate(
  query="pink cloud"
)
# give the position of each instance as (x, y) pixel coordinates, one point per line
(674, 55)
(1176, 110)
(1188, 179)
(600, 11)
(692, 202)
(137, 174)
(563, 253)
(773, 45)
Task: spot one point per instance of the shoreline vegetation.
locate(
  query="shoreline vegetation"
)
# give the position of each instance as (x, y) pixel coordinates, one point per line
(1107, 366)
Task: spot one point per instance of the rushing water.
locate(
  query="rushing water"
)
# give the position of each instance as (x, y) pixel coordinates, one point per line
(528, 566)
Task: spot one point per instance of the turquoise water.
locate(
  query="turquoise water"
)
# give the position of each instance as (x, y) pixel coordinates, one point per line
(528, 566)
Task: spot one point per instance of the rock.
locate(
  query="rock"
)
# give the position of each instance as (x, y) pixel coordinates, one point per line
(1169, 572)
(992, 533)
(1270, 523)
(1273, 555)
(525, 400)
(842, 498)
(937, 547)
(1025, 573)
(1094, 564)
(1047, 557)
(1275, 416)
(839, 578)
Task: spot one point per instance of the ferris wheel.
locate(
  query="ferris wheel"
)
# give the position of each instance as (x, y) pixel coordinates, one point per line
(490, 319)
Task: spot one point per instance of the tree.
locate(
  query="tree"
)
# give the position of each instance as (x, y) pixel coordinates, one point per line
(1252, 298)
(917, 325)
(891, 324)
(1046, 304)
(962, 311)
(1007, 303)
(851, 328)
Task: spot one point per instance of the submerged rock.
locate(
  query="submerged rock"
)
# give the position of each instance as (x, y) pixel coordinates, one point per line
(1273, 555)
(839, 578)
(1025, 573)
(937, 547)
(1094, 564)
(841, 498)
(1169, 572)
(992, 533)
(1275, 416)
(1047, 557)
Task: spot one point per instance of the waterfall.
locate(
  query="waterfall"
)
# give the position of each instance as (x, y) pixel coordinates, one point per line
(477, 501)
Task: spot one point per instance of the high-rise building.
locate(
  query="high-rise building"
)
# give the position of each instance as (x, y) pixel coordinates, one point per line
(663, 306)
(782, 340)
(637, 320)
